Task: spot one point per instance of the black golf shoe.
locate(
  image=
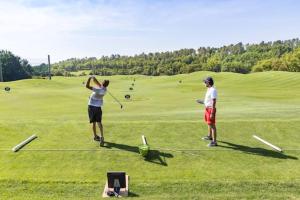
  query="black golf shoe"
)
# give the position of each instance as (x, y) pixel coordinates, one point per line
(97, 138)
(207, 138)
(101, 141)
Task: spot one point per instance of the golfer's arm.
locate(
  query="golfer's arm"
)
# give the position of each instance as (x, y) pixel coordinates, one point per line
(97, 82)
(88, 86)
(214, 106)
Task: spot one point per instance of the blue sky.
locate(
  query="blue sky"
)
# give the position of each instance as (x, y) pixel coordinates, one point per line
(33, 29)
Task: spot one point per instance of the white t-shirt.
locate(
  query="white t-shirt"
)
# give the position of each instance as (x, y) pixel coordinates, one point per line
(96, 99)
(211, 94)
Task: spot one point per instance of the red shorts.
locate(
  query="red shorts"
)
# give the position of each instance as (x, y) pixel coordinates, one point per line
(208, 111)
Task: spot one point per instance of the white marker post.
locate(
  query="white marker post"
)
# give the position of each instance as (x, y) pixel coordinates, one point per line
(144, 140)
(267, 143)
(144, 148)
(22, 144)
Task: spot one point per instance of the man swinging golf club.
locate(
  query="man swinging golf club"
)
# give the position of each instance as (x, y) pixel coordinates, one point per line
(210, 111)
(94, 106)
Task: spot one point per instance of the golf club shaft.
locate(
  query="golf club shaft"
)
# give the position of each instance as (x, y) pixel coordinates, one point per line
(115, 98)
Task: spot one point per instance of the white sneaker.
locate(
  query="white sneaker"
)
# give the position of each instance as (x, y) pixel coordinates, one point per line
(212, 144)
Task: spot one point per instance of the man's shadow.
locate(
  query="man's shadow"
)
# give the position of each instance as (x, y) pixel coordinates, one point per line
(153, 156)
(256, 151)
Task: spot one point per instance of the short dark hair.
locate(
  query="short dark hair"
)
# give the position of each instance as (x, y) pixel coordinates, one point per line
(209, 80)
(105, 83)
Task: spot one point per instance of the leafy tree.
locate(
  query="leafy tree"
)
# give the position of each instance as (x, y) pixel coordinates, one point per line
(213, 63)
(238, 58)
(13, 67)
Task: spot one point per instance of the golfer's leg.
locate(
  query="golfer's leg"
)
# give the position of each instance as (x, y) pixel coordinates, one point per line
(209, 131)
(101, 128)
(214, 132)
(94, 129)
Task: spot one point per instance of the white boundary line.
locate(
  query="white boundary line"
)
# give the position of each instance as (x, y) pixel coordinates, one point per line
(267, 143)
(22, 144)
(161, 149)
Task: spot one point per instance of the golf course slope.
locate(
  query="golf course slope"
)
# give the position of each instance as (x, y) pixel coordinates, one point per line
(65, 163)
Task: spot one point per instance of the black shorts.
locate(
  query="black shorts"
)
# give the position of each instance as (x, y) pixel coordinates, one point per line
(95, 114)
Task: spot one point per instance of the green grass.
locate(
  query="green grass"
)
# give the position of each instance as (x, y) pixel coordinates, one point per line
(65, 163)
(80, 72)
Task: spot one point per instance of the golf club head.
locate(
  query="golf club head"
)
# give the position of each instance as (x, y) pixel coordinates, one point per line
(200, 101)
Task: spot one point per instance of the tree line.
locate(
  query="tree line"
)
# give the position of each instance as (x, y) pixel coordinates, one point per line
(13, 67)
(239, 58)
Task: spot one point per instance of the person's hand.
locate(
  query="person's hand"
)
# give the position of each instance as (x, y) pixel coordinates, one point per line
(200, 101)
(212, 116)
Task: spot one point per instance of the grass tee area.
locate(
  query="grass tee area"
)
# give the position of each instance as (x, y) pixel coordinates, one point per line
(65, 163)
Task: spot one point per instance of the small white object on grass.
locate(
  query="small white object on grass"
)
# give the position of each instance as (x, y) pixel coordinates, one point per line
(267, 143)
(144, 140)
(22, 144)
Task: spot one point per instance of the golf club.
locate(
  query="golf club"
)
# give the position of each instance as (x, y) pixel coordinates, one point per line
(115, 99)
(200, 101)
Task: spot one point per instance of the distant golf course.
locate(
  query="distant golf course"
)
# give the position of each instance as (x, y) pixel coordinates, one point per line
(65, 163)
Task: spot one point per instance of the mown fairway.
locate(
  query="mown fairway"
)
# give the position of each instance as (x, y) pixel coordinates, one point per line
(65, 163)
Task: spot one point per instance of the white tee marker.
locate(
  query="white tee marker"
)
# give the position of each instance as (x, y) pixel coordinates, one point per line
(267, 143)
(22, 144)
(144, 140)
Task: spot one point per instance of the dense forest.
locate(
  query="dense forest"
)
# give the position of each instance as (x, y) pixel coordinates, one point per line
(13, 67)
(240, 58)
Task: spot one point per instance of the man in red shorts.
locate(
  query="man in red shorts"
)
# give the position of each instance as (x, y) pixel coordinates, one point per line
(210, 111)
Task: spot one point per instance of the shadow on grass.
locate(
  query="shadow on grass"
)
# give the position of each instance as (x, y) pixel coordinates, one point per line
(132, 194)
(256, 151)
(158, 157)
(154, 156)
